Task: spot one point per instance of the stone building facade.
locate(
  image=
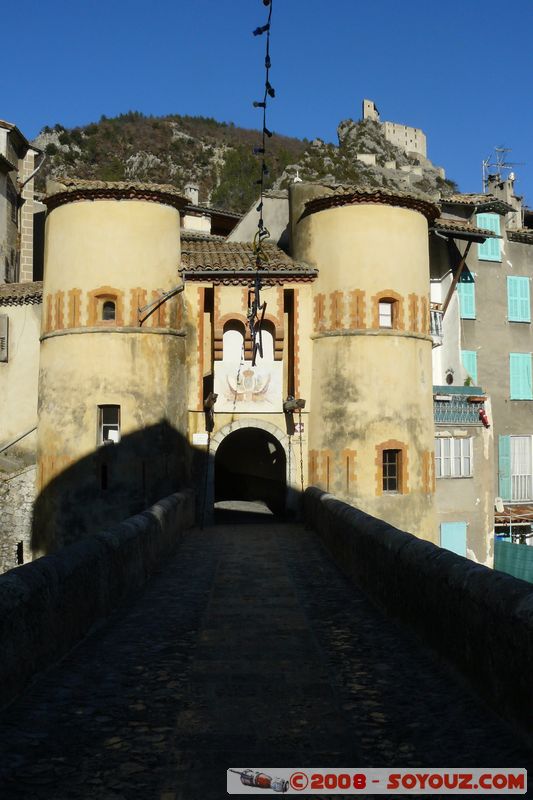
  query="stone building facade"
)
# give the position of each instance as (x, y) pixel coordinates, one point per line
(146, 380)
(17, 205)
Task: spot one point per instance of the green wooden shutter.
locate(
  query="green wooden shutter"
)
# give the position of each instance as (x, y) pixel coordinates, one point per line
(518, 304)
(520, 376)
(453, 537)
(490, 250)
(467, 300)
(504, 467)
(469, 359)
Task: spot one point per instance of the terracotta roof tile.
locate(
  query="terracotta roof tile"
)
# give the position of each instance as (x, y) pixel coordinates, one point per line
(524, 235)
(199, 236)
(348, 195)
(18, 294)
(462, 226)
(211, 210)
(213, 255)
(477, 200)
(66, 190)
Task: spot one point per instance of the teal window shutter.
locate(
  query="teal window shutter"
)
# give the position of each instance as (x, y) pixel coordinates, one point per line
(453, 537)
(490, 250)
(520, 376)
(504, 467)
(469, 359)
(518, 304)
(467, 300)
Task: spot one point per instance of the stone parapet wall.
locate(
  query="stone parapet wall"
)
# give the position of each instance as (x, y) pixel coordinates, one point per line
(17, 495)
(478, 619)
(47, 606)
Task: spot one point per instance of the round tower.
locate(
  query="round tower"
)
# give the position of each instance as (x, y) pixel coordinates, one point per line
(112, 384)
(371, 417)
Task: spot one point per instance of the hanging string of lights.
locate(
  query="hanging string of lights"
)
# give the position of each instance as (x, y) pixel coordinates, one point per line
(256, 309)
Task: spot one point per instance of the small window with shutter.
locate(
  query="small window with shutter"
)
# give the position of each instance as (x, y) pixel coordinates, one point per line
(490, 249)
(518, 306)
(4, 330)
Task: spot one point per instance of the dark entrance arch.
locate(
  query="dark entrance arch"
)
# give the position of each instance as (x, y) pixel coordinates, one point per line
(250, 464)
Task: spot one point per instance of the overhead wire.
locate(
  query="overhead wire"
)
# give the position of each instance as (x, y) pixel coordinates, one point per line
(257, 309)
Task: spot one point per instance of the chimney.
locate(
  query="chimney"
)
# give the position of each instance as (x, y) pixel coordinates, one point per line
(192, 192)
(503, 189)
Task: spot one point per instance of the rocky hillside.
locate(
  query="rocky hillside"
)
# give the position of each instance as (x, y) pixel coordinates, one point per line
(218, 157)
(364, 157)
(215, 156)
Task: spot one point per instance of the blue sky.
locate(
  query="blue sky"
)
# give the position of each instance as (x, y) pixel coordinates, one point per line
(460, 70)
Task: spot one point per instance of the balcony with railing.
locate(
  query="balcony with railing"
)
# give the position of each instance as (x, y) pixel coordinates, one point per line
(436, 315)
(457, 405)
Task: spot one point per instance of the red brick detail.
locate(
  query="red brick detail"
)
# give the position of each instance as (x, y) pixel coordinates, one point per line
(336, 304)
(357, 307)
(348, 466)
(48, 318)
(158, 315)
(296, 340)
(59, 299)
(74, 303)
(413, 312)
(314, 468)
(319, 304)
(200, 345)
(137, 301)
(424, 305)
(327, 469)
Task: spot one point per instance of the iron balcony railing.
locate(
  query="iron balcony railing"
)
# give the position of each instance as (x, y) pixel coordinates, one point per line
(457, 405)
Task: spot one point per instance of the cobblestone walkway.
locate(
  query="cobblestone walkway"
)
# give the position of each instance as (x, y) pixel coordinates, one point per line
(248, 649)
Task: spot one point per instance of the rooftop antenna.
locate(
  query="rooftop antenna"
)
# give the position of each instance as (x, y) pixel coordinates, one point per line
(498, 164)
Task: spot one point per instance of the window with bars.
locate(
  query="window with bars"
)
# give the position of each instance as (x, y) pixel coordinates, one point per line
(392, 466)
(453, 458)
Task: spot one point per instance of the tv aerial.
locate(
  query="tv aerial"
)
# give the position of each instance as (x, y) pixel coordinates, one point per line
(498, 163)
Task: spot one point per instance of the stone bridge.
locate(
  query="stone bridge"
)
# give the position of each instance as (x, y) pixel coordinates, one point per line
(248, 647)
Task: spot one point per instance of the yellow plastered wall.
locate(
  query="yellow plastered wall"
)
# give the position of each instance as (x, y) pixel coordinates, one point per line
(371, 387)
(121, 245)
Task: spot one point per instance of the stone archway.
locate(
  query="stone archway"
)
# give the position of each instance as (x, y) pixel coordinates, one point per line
(281, 439)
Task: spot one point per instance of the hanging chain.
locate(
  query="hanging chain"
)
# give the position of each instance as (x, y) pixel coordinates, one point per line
(256, 309)
(301, 450)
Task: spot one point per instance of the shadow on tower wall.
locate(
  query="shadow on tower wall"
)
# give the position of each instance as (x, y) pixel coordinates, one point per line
(111, 484)
(116, 481)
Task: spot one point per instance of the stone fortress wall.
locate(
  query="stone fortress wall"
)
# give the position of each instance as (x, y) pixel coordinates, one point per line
(412, 140)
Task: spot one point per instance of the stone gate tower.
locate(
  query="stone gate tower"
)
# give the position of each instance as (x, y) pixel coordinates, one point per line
(371, 416)
(112, 385)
